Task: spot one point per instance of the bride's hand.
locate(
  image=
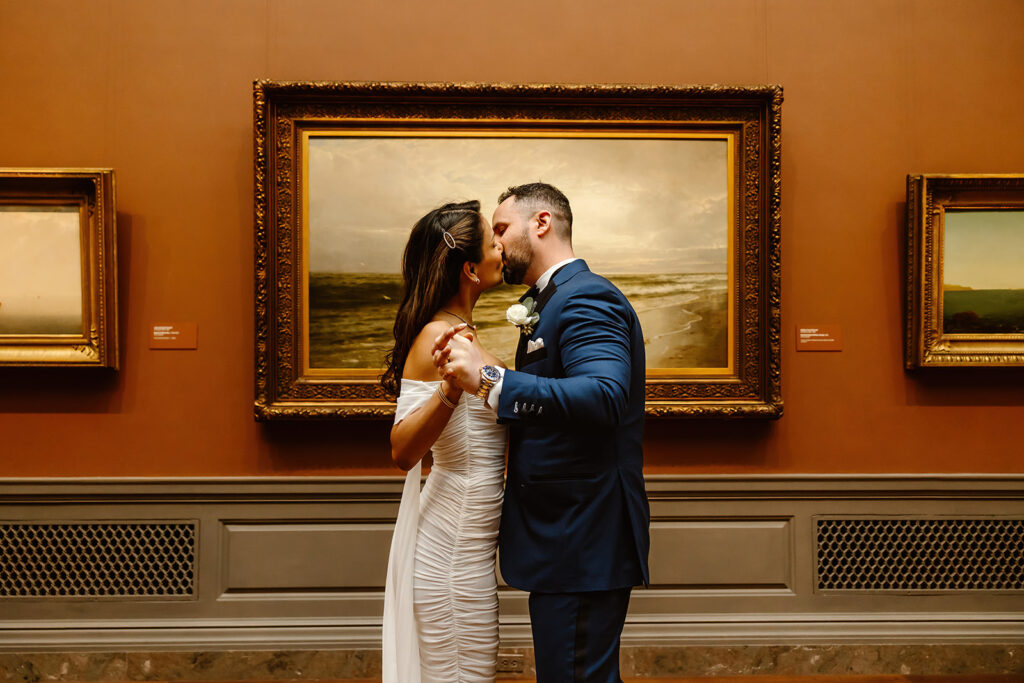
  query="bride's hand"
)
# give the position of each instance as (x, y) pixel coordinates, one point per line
(443, 347)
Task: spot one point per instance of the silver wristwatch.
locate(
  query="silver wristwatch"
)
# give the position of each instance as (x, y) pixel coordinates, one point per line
(489, 376)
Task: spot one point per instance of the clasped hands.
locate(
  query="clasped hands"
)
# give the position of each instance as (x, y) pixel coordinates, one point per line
(457, 359)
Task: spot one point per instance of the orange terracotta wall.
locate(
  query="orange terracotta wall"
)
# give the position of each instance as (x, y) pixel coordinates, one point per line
(161, 91)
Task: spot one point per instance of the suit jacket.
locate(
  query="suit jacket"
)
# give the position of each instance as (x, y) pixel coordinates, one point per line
(575, 516)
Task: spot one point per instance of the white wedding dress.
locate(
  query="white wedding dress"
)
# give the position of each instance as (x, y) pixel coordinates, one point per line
(440, 599)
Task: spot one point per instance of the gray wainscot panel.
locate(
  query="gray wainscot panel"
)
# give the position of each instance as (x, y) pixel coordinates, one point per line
(737, 554)
(299, 563)
(310, 556)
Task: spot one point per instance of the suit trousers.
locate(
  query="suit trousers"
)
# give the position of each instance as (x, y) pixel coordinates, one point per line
(576, 635)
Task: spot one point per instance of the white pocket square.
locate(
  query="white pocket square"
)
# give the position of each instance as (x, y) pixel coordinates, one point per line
(534, 344)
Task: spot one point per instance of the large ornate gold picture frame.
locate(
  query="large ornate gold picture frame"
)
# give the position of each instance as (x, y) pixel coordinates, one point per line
(965, 271)
(676, 198)
(58, 268)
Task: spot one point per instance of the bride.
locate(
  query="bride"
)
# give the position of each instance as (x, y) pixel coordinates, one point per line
(440, 600)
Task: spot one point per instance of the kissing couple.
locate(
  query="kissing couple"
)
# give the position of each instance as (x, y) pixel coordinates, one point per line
(569, 512)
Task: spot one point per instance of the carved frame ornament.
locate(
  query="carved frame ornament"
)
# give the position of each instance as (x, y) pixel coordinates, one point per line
(933, 339)
(89, 193)
(751, 116)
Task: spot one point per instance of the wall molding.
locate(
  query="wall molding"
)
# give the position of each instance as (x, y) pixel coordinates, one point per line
(732, 564)
(345, 634)
(51, 489)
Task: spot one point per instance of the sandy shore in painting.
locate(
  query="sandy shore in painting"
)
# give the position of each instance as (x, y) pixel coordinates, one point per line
(29, 324)
(690, 335)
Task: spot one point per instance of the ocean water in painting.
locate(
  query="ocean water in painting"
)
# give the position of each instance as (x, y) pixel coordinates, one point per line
(684, 318)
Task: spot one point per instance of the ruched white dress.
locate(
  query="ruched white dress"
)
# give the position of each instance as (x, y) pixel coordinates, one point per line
(440, 600)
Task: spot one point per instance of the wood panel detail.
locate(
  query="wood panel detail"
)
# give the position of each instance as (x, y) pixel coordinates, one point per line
(722, 554)
(304, 557)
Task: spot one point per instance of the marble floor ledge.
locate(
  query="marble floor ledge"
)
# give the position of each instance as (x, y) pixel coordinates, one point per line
(1005, 660)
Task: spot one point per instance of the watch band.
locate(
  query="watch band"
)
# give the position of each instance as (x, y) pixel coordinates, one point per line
(486, 383)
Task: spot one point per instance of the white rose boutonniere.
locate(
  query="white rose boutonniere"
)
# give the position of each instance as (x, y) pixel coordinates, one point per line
(522, 316)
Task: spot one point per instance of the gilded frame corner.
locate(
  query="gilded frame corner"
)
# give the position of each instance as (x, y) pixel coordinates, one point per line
(91, 191)
(282, 110)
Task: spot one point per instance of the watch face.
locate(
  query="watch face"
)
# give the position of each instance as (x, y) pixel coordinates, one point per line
(489, 372)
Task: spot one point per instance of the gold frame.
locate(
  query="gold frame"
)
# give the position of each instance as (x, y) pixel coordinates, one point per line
(92, 190)
(929, 197)
(286, 113)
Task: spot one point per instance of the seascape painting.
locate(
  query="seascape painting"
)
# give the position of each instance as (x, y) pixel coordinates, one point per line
(653, 214)
(983, 272)
(40, 270)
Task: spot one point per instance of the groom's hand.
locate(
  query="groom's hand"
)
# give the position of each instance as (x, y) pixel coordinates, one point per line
(457, 359)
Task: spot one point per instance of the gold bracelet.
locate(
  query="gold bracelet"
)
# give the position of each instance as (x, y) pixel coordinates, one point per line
(444, 399)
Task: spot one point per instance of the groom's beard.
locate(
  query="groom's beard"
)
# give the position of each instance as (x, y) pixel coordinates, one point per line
(518, 256)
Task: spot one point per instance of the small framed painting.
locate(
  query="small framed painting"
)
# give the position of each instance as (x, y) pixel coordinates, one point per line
(58, 268)
(965, 271)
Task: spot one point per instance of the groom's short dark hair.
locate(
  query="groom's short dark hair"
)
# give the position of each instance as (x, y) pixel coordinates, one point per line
(548, 196)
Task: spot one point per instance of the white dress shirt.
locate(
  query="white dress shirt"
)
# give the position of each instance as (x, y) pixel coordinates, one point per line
(542, 282)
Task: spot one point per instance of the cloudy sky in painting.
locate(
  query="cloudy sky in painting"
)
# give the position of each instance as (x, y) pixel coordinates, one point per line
(40, 262)
(639, 206)
(984, 249)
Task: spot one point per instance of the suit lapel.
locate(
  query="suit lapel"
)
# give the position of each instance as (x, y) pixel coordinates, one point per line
(531, 292)
(538, 304)
(521, 346)
(521, 350)
(557, 278)
(560, 276)
(544, 296)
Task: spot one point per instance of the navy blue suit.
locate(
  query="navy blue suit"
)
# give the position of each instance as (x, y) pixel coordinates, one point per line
(575, 517)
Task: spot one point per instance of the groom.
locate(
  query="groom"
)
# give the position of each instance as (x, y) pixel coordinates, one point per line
(574, 526)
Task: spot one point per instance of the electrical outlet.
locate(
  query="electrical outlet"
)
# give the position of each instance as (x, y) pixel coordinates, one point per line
(509, 663)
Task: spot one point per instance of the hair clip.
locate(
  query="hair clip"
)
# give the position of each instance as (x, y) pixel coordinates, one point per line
(449, 240)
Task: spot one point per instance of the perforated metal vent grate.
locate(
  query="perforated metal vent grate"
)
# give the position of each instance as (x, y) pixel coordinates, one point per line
(920, 554)
(98, 560)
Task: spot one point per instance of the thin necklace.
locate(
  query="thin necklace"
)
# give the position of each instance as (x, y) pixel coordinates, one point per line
(459, 317)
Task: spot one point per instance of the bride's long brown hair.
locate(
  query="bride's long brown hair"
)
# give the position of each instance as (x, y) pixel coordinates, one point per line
(431, 269)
